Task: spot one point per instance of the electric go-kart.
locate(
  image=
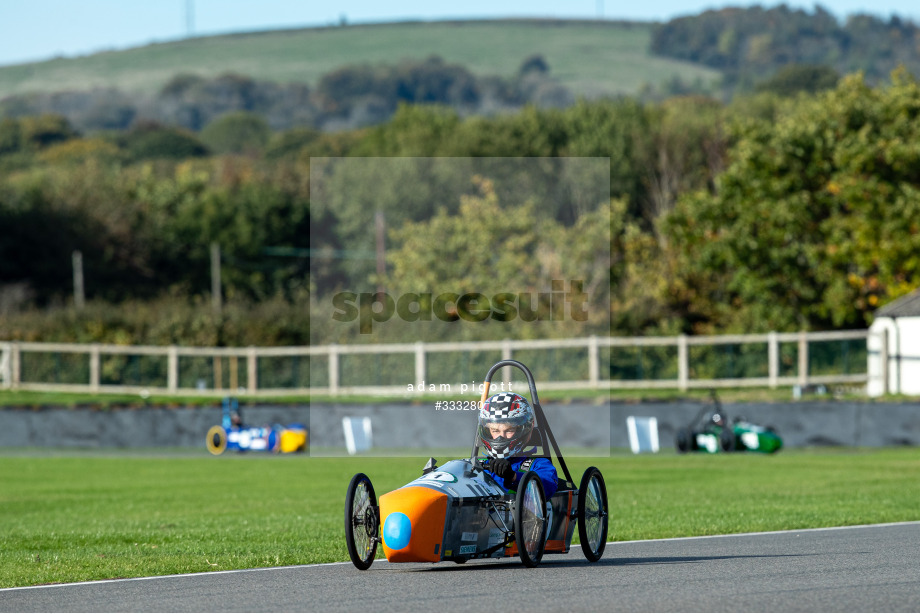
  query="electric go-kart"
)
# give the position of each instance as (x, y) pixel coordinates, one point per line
(712, 431)
(457, 512)
(232, 434)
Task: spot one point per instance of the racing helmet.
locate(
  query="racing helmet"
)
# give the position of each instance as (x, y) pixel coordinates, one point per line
(506, 408)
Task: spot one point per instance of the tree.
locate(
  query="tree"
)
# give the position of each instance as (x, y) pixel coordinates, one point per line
(414, 130)
(240, 132)
(152, 141)
(795, 78)
(755, 42)
(44, 130)
(10, 136)
(290, 142)
(622, 131)
(492, 248)
(689, 150)
(79, 151)
(814, 221)
(533, 64)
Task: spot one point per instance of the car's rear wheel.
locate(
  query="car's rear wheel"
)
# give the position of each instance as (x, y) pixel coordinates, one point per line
(362, 526)
(592, 514)
(530, 519)
(216, 439)
(727, 439)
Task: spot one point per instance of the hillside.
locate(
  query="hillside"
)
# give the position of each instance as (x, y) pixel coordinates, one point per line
(591, 58)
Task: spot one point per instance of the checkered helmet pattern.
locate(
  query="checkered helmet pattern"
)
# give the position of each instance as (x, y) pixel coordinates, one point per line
(506, 408)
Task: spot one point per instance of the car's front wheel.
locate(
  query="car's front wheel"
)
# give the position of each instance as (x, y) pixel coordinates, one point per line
(216, 439)
(530, 519)
(362, 526)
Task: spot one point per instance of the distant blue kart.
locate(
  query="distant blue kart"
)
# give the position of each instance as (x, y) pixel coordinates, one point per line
(232, 434)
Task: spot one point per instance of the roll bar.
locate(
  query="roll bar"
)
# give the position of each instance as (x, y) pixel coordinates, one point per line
(509, 363)
(542, 426)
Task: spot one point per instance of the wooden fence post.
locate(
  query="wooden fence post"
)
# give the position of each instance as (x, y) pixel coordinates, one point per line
(333, 369)
(803, 358)
(773, 358)
(6, 370)
(172, 368)
(593, 362)
(683, 363)
(15, 366)
(94, 367)
(252, 370)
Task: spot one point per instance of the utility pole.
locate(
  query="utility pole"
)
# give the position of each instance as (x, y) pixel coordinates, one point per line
(79, 297)
(189, 18)
(215, 278)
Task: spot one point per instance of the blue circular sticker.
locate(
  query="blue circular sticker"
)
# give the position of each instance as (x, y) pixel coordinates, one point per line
(397, 531)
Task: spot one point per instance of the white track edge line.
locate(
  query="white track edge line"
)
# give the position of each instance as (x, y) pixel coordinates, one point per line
(636, 541)
(784, 531)
(176, 575)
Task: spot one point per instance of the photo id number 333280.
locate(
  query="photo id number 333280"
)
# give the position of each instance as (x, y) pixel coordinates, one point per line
(457, 405)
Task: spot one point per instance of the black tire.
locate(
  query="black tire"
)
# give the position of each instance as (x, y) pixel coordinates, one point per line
(727, 439)
(530, 519)
(592, 514)
(216, 440)
(362, 527)
(684, 440)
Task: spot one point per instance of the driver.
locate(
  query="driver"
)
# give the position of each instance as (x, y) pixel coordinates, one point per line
(506, 421)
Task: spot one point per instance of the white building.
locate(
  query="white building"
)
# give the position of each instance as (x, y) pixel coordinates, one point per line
(894, 348)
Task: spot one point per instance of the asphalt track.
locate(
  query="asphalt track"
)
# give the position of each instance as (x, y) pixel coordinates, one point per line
(854, 569)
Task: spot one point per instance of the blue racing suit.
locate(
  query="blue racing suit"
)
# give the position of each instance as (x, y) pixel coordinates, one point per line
(542, 466)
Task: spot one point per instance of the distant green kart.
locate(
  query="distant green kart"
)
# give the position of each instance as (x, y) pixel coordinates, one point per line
(712, 431)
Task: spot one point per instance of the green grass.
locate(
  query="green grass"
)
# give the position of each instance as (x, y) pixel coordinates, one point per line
(589, 57)
(34, 399)
(83, 516)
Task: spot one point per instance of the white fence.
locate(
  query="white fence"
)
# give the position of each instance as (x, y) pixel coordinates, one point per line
(780, 359)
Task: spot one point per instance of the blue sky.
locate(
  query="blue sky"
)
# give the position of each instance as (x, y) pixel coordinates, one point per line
(41, 29)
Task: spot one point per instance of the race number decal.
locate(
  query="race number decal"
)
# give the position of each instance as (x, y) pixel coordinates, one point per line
(438, 476)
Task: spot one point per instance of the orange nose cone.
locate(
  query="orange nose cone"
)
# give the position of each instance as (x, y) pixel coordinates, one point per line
(412, 524)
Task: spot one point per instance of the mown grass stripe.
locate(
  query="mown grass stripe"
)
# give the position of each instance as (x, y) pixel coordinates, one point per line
(79, 518)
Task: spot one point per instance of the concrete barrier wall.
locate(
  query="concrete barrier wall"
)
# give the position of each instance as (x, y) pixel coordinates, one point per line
(407, 425)
(800, 424)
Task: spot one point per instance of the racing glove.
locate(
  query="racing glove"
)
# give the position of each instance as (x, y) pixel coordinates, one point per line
(501, 467)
